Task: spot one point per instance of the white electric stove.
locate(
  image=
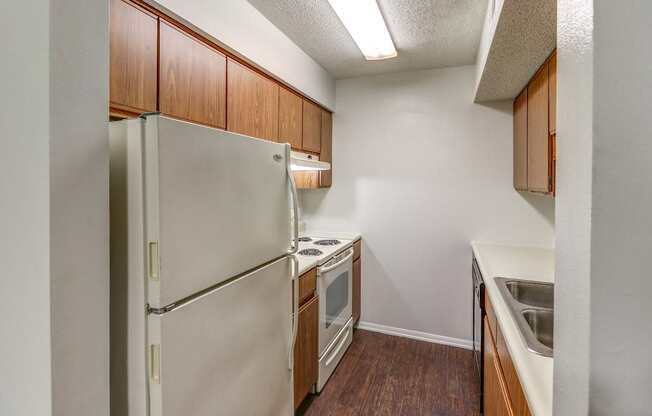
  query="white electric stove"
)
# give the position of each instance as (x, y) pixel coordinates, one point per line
(334, 261)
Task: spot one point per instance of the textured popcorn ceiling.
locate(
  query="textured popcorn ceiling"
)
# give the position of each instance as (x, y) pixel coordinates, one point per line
(427, 33)
(526, 33)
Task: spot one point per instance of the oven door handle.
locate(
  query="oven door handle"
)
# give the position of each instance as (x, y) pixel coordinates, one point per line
(327, 269)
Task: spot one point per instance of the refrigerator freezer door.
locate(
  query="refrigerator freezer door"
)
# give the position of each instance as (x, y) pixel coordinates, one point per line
(217, 204)
(226, 353)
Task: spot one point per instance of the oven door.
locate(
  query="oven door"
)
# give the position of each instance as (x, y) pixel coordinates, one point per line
(335, 280)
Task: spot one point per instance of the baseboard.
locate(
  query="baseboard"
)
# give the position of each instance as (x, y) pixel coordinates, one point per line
(418, 335)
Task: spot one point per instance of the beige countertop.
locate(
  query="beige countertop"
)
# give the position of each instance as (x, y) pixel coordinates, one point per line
(528, 263)
(306, 263)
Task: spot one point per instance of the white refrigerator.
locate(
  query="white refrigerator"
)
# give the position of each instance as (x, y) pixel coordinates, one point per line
(202, 273)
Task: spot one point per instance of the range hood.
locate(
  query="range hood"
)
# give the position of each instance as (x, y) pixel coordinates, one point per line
(304, 161)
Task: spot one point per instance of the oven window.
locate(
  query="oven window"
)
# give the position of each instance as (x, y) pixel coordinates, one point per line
(337, 296)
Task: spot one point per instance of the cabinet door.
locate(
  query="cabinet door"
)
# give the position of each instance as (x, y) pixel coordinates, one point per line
(132, 36)
(306, 179)
(305, 351)
(252, 103)
(357, 290)
(513, 384)
(520, 141)
(193, 79)
(326, 154)
(290, 126)
(552, 86)
(537, 132)
(496, 399)
(307, 285)
(311, 127)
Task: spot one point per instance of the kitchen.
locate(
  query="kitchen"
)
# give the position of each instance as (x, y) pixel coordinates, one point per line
(479, 155)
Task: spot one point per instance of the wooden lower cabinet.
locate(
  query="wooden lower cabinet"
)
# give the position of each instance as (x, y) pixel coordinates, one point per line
(357, 289)
(305, 351)
(516, 395)
(503, 393)
(307, 285)
(496, 397)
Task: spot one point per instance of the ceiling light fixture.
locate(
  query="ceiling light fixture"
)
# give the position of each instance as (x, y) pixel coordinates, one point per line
(363, 20)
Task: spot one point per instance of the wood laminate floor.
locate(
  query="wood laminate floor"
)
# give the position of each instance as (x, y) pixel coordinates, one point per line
(387, 375)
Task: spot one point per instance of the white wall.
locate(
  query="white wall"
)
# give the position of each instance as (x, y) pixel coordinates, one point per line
(573, 206)
(621, 234)
(239, 26)
(603, 309)
(79, 169)
(421, 171)
(54, 208)
(25, 381)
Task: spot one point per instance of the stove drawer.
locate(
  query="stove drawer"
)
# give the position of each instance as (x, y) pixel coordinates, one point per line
(334, 353)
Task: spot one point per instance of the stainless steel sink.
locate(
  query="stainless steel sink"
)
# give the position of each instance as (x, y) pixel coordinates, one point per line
(540, 322)
(531, 305)
(537, 294)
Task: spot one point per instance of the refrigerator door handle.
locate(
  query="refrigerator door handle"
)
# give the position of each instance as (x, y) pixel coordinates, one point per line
(295, 311)
(295, 202)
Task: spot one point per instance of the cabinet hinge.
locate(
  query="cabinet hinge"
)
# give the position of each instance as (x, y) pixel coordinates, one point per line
(152, 260)
(155, 363)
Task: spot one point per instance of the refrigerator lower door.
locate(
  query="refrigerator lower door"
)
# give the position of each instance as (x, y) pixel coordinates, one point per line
(226, 353)
(216, 204)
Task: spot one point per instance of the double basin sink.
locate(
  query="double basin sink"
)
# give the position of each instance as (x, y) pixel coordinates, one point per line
(531, 304)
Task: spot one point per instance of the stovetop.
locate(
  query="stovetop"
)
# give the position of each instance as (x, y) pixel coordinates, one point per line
(310, 252)
(315, 250)
(327, 242)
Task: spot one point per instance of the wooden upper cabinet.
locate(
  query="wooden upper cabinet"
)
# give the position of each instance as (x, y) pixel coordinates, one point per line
(290, 126)
(520, 141)
(538, 175)
(192, 77)
(552, 87)
(252, 103)
(311, 127)
(326, 153)
(133, 41)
